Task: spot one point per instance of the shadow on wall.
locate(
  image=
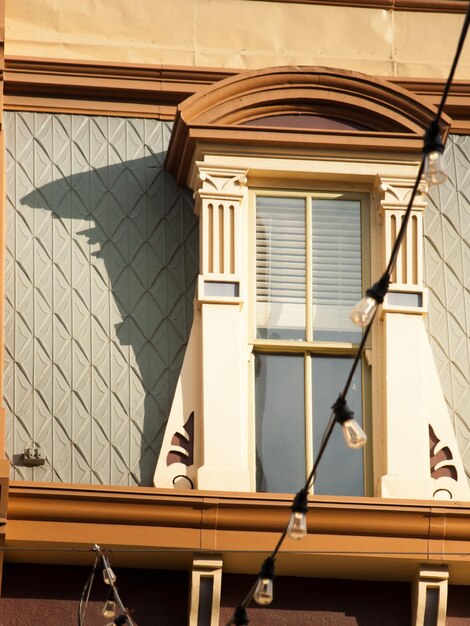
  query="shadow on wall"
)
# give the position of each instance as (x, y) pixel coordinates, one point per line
(49, 594)
(122, 256)
(321, 602)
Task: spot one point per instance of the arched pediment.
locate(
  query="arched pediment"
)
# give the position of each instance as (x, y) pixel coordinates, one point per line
(301, 105)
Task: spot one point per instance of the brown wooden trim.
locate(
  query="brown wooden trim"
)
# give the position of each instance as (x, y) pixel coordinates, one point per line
(276, 141)
(241, 527)
(426, 6)
(102, 89)
(217, 114)
(89, 107)
(458, 101)
(155, 91)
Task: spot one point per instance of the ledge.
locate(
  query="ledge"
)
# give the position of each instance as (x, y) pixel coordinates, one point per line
(156, 527)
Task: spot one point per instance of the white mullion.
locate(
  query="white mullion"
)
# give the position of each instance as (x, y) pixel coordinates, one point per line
(308, 336)
(308, 269)
(308, 414)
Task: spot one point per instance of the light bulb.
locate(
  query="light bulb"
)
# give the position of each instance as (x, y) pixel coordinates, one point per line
(264, 591)
(109, 609)
(297, 527)
(109, 576)
(434, 169)
(363, 313)
(353, 434)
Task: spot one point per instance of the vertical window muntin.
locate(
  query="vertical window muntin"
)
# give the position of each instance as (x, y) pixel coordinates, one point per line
(309, 346)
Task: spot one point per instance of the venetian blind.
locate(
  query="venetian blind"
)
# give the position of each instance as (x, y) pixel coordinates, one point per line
(336, 267)
(281, 252)
(280, 266)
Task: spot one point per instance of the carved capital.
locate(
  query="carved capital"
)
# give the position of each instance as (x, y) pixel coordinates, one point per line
(218, 183)
(394, 194)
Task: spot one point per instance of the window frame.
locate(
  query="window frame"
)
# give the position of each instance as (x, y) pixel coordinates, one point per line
(309, 347)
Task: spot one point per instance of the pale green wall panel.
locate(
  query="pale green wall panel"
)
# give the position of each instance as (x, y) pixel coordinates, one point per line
(100, 276)
(447, 272)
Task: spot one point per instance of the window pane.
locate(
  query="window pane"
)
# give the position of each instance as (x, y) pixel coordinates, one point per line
(280, 423)
(336, 273)
(280, 268)
(341, 471)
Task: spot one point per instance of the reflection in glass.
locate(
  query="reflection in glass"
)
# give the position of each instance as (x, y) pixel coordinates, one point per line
(280, 422)
(341, 471)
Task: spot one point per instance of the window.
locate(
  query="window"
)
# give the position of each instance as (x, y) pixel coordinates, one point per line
(309, 268)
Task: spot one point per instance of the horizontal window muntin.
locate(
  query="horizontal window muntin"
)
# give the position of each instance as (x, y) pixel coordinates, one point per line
(315, 347)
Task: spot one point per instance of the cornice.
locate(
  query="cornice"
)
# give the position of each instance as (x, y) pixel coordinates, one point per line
(35, 84)
(154, 524)
(458, 101)
(102, 89)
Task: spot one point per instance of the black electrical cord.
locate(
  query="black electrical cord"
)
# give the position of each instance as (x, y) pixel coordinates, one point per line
(82, 605)
(381, 287)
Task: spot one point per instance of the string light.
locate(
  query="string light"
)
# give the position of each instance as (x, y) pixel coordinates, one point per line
(113, 602)
(434, 169)
(109, 576)
(121, 620)
(353, 434)
(264, 589)
(109, 609)
(297, 527)
(364, 313)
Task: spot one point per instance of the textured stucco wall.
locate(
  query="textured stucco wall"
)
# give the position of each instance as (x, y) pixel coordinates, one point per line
(447, 275)
(100, 272)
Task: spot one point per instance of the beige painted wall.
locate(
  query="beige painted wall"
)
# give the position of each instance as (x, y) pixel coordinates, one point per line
(236, 34)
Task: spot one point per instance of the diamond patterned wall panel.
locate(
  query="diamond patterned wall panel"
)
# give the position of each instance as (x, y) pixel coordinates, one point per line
(447, 272)
(100, 276)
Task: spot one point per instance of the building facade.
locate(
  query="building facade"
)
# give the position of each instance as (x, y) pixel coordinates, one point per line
(195, 195)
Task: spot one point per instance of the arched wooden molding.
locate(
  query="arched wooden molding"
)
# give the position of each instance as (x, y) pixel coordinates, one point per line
(346, 111)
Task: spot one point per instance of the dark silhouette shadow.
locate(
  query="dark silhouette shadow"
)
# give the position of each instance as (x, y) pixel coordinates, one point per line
(140, 223)
(316, 601)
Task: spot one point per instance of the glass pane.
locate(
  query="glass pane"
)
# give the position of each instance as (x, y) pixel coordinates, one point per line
(280, 268)
(280, 423)
(336, 273)
(341, 471)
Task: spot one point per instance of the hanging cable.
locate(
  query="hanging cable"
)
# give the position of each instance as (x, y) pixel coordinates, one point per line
(109, 578)
(113, 603)
(83, 604)
(363, 314)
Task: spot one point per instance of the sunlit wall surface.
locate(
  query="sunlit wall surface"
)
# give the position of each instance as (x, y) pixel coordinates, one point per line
(100, 273)
(447, 274)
